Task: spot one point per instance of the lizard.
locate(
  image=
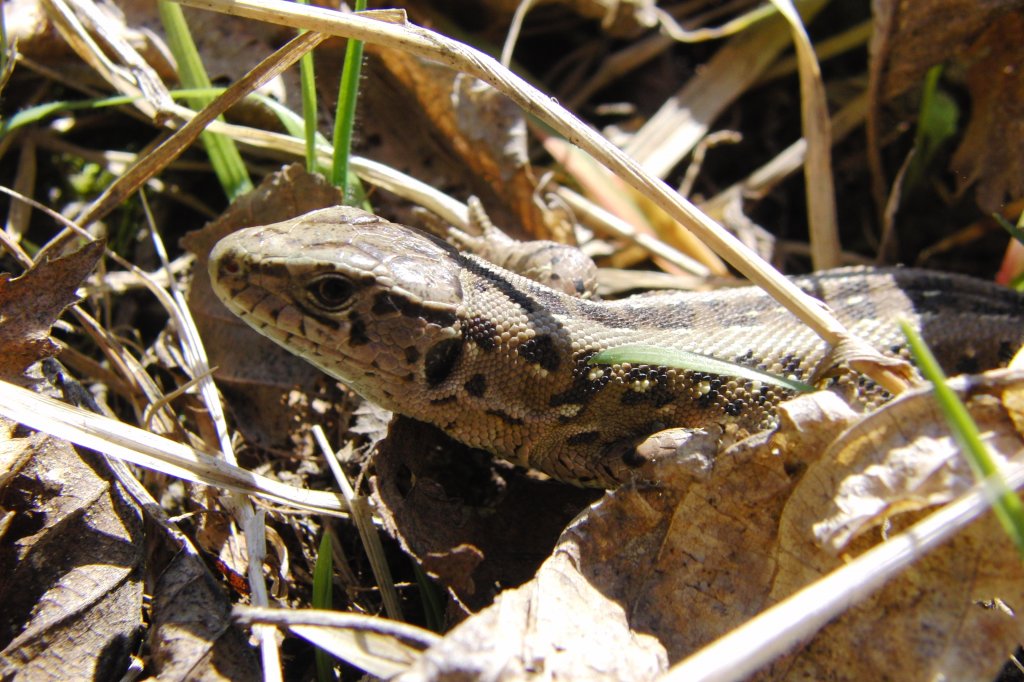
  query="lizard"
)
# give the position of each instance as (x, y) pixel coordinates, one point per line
(506, 364)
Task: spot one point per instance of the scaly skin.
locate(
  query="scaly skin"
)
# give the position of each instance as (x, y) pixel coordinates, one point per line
(500, 362)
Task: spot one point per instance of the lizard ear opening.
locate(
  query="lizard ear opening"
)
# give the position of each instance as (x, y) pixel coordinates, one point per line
(330, 292)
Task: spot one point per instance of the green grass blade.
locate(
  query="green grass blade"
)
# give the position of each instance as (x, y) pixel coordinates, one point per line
(39, 112)
(937, 122)
(308, 88)
(344, 120)
(323, 598)
(433, 604)
(694, 362)
(1015, 231)
(1004, 501)
(224, 155)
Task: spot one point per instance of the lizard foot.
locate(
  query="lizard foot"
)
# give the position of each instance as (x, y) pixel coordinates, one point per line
(692, 449)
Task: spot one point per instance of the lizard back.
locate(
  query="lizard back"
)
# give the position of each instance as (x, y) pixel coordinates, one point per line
(505, 364)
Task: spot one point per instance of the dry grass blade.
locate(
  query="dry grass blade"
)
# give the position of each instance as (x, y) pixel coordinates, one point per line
(145, 449)
(150, 164)
(362, 516)
(131, 76)
(251, 522)
(679, 125)
(381, 647)
(613, 225)
(821, 202)
(788, 161)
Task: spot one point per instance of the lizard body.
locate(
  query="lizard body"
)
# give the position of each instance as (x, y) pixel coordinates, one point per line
(503, 363)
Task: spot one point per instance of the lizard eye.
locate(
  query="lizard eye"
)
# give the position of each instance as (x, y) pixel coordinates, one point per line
(330, 292)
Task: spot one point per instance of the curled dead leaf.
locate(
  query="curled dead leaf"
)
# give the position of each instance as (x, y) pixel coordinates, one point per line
(32, 302)
(903, 458)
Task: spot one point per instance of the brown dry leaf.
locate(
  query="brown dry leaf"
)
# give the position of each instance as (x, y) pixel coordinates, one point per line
(877, 469)
(991, 153)
(266, 409)
(477, 124)
(745, 539)
(911, 37)
(979, 42)
(638, 561)
(32, 302)
(940, 618)
(191, 636)
(70, 562)
(694, 557)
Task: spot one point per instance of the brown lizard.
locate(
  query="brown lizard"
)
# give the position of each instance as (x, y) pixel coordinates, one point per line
(505, 364)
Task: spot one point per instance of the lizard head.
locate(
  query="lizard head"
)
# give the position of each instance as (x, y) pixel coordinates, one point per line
(369, 302)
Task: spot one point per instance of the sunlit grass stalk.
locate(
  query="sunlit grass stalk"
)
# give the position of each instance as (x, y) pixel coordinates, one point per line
(224, 155)
(1005, 502)
(344, 120)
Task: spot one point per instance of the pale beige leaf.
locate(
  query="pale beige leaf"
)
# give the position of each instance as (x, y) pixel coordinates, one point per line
(559, 625)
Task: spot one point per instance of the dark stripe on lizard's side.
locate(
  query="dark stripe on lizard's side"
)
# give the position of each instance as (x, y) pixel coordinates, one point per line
(509, 290)
(389, 303)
